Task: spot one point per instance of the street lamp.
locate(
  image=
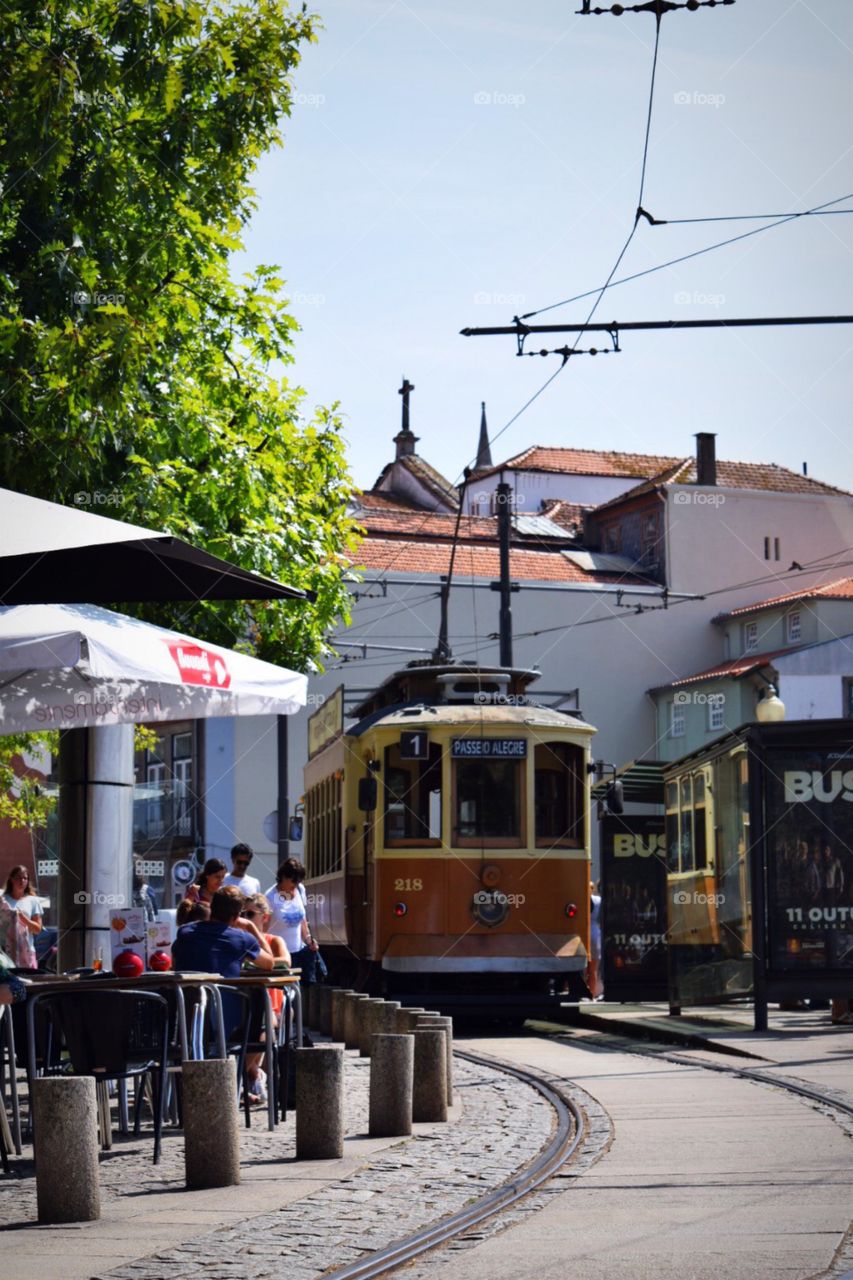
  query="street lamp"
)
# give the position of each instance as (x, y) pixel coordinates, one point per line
(770, 708)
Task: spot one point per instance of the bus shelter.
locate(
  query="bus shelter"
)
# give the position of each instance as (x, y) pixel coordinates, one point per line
(759, 860)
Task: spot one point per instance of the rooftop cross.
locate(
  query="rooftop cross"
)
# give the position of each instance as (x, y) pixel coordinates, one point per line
(405, 392)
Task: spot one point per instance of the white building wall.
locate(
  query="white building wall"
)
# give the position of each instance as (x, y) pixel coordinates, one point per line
(811, 697)
(715, 537)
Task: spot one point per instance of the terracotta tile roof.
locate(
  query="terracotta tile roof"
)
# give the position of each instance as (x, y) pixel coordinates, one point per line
(396, 521)
(389, 555)
(586, 462)
(734, 667)
(372, 499)
(840, 589)
(764, 477)
(564, 513)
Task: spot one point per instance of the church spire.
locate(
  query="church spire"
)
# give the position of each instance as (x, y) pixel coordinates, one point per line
(484, 451)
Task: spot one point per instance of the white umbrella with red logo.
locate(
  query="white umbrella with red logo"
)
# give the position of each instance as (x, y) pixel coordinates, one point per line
(78, 666)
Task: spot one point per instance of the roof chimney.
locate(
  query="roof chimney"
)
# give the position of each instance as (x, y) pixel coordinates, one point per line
(706, 458)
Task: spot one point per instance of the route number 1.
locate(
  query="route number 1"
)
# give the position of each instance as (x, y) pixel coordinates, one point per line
(414, 745)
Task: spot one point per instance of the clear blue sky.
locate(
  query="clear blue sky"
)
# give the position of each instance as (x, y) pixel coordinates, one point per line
(453, 163)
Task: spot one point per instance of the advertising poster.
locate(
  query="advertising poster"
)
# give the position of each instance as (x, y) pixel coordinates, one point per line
(809, 851)
(128, 932)
(633, 908)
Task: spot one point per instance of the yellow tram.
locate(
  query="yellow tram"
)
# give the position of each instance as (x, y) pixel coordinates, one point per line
(447, 840)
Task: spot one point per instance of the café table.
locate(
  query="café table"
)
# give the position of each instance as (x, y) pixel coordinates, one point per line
(258, 979)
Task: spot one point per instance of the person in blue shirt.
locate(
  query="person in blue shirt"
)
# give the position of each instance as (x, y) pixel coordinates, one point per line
(222, 943)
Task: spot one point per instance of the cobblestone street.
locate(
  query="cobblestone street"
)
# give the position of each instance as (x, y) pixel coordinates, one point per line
(283, 1216)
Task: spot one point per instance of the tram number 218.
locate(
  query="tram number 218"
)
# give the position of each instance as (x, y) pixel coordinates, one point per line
(408, 886)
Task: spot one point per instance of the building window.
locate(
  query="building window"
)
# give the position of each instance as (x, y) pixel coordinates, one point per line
(676, 720)
(776, 549)
(323, 821)
(766, 548)
(794, 626)
(558, 804)
(412, 797)
(750, 637)
(716, 713)
(612, 540)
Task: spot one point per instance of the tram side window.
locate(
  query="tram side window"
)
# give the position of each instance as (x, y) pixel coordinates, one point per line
(559, 794)
(412, 797)
(488, 800)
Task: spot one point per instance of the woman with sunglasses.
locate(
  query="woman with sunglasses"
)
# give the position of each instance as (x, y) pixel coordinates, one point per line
(22, 919)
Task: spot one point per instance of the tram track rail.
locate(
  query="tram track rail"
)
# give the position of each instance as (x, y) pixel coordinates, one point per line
(562, 1147)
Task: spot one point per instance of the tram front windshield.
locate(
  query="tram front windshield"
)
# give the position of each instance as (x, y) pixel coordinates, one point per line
(488, 799)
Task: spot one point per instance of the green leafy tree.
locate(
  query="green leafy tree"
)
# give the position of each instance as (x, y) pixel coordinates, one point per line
(137, 377)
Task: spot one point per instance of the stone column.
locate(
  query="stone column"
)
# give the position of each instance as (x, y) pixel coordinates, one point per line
(320, 1103)
(211, 1143)
(385, 1018)
(307, 1004)
(392, 1066)
(323, 997)
(426, 1021)
(95, 837)
(352, 1018)
(65, 1118)
(402, 1019)
(429, 1091)
(338, 997)
(366, 1025)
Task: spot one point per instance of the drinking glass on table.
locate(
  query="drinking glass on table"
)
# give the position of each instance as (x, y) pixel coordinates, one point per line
(98, 959)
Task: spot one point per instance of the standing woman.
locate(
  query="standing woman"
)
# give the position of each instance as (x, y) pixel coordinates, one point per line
(289, 918)
(25, 921)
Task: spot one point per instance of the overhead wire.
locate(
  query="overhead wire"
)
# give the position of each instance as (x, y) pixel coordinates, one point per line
(696, 253)
(601, 291)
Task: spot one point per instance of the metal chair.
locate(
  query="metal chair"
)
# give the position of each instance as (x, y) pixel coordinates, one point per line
(110, 1035)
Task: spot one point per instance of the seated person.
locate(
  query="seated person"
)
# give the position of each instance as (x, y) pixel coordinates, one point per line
(222, 943)
(257, 909)
(189, 911)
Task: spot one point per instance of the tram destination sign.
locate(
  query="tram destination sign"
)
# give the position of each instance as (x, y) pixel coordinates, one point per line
(488, 748)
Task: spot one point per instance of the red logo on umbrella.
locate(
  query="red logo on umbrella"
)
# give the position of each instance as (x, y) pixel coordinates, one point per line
(200, 666)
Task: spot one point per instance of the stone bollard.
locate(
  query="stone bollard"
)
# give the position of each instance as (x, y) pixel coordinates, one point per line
(352, 1018)
(412, 1016)
(338, 997)
(402, 1019)
(425, 1022)
(366, 1025)
(320, 1103)
(323, 996)
(429, 1090)
(211, 1142)
(392, 1068)
(385, 1018)
(65, 1117)
(307, 993)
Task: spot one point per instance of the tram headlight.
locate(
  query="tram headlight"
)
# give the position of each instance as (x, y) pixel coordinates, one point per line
(400, 909)
(571, 910)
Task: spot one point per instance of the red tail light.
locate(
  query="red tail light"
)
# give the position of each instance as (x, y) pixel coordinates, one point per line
(571, 910)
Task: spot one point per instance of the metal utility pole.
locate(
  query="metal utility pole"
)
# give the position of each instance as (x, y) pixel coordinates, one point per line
(503, 494)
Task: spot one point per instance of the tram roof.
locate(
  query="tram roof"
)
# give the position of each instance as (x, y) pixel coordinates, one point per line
(424, 715)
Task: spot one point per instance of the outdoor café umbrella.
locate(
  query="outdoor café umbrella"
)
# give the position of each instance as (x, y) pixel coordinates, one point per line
(65, 554)
(79, 666)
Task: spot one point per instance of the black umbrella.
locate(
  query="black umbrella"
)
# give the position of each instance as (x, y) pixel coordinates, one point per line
(62, 555)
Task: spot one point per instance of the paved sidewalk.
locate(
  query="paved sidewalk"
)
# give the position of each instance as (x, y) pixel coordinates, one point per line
(707, 1176)
(803, 1044)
